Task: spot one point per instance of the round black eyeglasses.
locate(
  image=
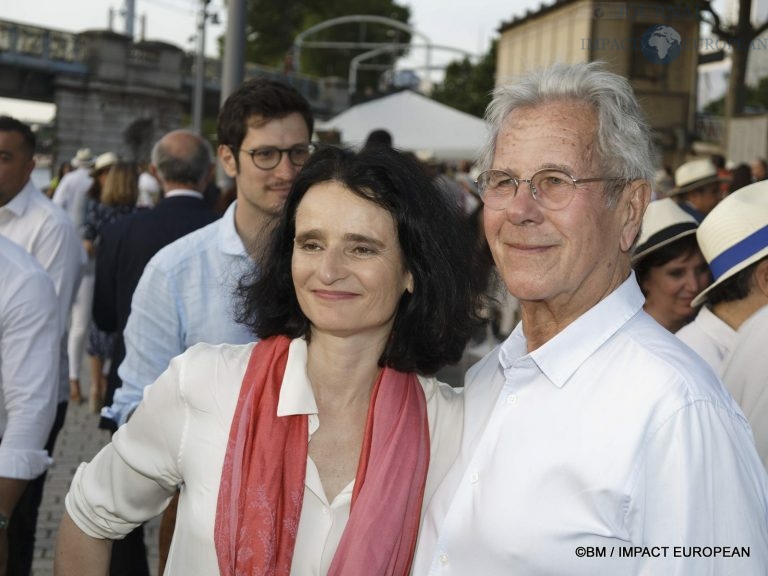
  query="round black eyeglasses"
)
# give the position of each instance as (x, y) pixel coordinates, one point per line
(268, 157)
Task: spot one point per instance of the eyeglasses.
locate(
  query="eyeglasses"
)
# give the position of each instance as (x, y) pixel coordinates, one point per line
(553, 189)
(268, 157)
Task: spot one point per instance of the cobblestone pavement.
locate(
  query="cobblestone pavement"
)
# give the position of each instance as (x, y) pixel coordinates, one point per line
(79, 440)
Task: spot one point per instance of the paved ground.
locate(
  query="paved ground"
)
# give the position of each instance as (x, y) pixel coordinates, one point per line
(79, 441)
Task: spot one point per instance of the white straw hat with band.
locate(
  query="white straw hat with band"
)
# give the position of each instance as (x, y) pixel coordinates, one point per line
(663, 223)
(695, 174)
(735, 234)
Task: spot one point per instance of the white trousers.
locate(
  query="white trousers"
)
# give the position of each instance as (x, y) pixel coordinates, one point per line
(80, 319)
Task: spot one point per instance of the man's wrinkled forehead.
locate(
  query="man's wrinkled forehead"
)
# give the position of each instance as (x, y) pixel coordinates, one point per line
(570, 114)
(572, 126)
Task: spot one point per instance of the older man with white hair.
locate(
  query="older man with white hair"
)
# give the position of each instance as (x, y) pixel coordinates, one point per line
(595, 442)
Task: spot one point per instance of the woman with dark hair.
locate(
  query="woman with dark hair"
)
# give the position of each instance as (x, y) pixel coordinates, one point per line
(669, 266)
(311, 452)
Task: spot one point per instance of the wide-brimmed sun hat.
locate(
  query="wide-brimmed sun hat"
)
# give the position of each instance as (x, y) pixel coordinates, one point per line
(695, 174)
(734, 234)
(83, 158)
(105, 161)
(663, 223)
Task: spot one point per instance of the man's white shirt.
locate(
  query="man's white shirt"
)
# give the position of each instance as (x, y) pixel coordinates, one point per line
(41, 228)
(613, 435)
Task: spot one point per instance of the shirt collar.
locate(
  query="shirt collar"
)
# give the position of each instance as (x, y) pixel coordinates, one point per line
(713, 326)
(559, 358)
(229, 240)
(183, 192)
(296, 395)
(19, 204)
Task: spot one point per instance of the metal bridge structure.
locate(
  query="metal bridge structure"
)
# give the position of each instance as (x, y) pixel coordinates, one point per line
(114, 94)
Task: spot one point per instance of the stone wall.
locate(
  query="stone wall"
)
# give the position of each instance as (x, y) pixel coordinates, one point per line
(131, 96)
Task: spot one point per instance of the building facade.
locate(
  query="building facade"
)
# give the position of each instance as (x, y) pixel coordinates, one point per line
(654, 45)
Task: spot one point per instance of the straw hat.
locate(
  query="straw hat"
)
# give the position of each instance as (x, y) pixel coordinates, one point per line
(83, 158)
(735, 234)
(693, 175)
(663, 223)
(105, 161)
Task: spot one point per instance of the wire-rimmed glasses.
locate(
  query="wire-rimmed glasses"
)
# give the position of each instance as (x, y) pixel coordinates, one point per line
(553, 189)
(268, 157)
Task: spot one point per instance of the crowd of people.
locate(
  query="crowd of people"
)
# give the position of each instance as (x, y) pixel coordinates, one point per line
(267, 365)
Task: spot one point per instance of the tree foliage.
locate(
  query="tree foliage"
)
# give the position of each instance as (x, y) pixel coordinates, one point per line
(739, 34)
(273, 26)
(466, 86)
(755, 100)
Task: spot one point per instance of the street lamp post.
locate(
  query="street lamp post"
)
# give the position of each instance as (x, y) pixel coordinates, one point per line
(233, 65)
(234, 49)
(130, 11)
(197, 103)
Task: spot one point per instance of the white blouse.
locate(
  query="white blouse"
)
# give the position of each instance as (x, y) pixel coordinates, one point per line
(178, 437)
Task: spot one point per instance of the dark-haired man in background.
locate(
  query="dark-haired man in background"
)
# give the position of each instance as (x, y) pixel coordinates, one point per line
(185, 295)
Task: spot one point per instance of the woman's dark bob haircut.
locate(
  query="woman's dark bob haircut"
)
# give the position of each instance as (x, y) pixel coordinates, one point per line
(433, 324)
(685, 246)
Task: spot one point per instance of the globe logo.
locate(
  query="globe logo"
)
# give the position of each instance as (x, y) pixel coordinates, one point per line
(661, 44)
(599, 13)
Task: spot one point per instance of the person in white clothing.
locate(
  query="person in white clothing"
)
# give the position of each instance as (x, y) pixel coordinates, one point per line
(745, 373)
(80, 317)
(28, 218)
(595, 442)
(29, 365)
(149, 190)
(320, 461)
(71, 192)
(71, 195)
(734, 240)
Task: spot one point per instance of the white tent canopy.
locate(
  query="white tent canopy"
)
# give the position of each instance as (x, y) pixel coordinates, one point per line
(417, 124)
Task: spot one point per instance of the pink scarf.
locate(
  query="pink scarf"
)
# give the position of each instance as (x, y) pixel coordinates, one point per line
(262, 482)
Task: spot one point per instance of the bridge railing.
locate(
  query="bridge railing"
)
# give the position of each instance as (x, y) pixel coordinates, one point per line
(27, 40)
(35, 48)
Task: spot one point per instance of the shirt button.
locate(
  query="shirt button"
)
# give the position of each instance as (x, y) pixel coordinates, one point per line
(511, 399)
(443, 559)
(474, 477)
(325, 510)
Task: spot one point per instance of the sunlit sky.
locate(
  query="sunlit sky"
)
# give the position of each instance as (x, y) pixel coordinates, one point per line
(468, 25)
(465, 24)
